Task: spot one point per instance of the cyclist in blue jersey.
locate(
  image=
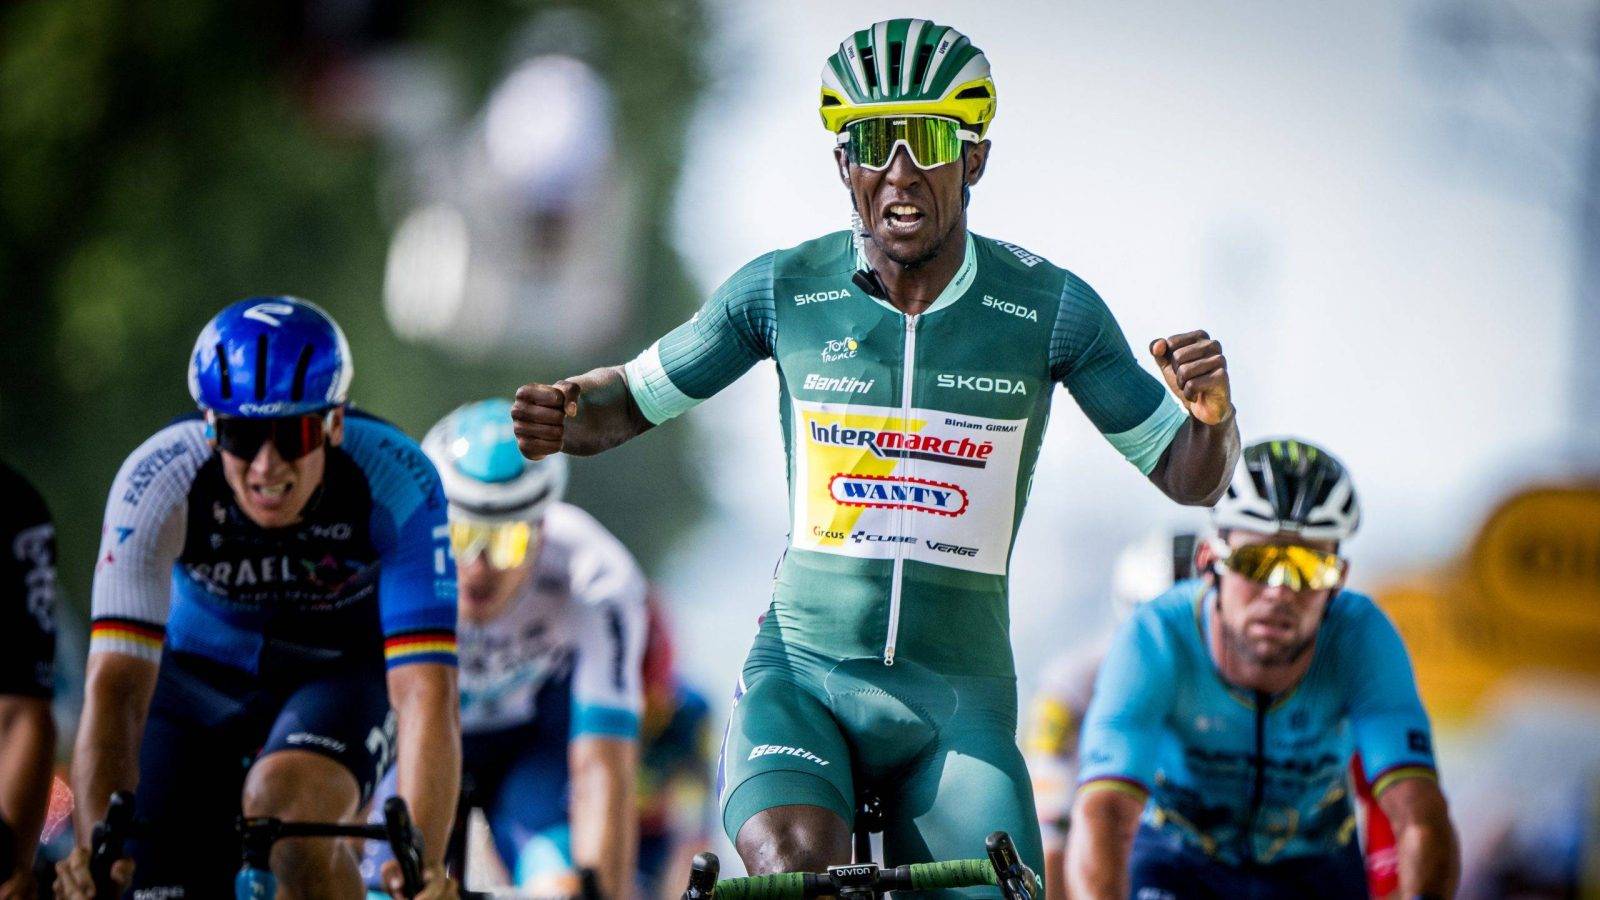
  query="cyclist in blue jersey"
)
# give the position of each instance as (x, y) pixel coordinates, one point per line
(1215, 752)
(27, 655)
(274, 574)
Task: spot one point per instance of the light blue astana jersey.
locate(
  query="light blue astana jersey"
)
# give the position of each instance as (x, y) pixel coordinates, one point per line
(1245, 776)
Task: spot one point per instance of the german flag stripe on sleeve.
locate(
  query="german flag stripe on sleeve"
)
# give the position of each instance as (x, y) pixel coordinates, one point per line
(110, 634)
(431, 646)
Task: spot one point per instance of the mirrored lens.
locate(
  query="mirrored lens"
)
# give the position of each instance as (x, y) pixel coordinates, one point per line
(931, 141)
(506, 543)
(293, 436)
(1287, 565)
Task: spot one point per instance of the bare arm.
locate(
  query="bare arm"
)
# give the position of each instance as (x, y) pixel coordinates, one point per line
(604, 816)
(428, 749)
(1197, 465)
(29, 735)
(581, 416)
(105, 758)
(1430, 857)
(1195, 468)
(1100, 842)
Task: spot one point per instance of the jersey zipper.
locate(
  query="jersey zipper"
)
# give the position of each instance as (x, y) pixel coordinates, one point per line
(1263, 700)
(896, 580)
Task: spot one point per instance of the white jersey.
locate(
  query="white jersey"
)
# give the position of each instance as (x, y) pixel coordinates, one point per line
(579, 620)
(1059, 706)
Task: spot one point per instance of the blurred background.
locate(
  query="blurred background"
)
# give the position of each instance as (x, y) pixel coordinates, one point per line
(1389, 216)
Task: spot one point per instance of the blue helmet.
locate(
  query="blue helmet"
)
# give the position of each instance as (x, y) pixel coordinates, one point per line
(270, 356)
(485, 476)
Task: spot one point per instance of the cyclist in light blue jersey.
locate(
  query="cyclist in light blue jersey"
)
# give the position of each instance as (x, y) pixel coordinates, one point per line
(1215, 752)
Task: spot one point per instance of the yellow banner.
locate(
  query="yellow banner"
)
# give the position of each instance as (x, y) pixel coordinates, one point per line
(1527, 596)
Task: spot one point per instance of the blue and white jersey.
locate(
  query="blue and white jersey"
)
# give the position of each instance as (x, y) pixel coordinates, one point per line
(580, 618)
(366, 575)
(1248, 777)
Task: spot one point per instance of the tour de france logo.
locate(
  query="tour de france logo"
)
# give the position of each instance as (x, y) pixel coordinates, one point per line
(843, 348)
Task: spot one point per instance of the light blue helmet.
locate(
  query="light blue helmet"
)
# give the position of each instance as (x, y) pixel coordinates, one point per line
(485, 475)
(270, 356)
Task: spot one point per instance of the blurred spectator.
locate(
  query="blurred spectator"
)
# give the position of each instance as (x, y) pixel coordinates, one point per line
(520, 216)
(27, 662)
(675, 766)
(1143, 570)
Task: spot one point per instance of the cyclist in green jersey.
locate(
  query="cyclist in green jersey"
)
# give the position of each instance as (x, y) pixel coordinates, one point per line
(917, 362)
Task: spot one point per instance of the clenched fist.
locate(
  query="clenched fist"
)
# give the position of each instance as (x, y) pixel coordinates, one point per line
(539, 416)
(1195, 369)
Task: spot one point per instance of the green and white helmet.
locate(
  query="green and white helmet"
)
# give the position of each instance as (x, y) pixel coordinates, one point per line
(1289, 485)
(907, 67)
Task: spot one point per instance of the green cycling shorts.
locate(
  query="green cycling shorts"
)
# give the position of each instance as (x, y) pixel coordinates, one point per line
(940, 750)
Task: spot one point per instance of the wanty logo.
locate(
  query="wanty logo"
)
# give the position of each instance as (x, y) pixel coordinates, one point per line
(962, 451)
(844, 348)
(918, 494)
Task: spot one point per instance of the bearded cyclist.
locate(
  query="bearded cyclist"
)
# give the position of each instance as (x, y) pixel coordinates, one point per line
(917, 362)
(552, 632)
(274, 573)
(1215, 755)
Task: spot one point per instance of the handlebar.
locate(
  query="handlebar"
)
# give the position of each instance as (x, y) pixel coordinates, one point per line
(1003, 868)
(108, 841)
(258, 834)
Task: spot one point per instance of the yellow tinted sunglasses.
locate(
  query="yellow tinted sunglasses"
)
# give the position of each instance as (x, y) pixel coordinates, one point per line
(1283, 565)
(506, 543)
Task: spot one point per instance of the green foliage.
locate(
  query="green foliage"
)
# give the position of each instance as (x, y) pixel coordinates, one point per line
(160, 159)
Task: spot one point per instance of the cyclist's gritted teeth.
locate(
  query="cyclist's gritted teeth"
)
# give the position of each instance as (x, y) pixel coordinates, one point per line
(271, 496)
(903, 217)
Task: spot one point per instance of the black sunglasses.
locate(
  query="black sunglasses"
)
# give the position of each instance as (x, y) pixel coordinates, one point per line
(293, 436)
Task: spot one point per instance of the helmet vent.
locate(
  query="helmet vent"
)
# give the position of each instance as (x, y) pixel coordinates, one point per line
(222, 370)
(919, 69)
(261, 368)
(298, 391)
(830, 100)
(896, 58)
(1259, 478)
(976, 92)
(869, 67)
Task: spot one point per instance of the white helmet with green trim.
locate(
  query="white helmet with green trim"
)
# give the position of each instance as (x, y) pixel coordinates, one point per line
(1286, 485)
(910, 67)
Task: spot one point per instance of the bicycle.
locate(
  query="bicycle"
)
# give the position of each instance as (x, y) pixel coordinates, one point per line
(255, 880)
(863, 879)
(456, 860)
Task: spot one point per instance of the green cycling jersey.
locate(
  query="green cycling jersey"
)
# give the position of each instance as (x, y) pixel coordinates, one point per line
(911, 439)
